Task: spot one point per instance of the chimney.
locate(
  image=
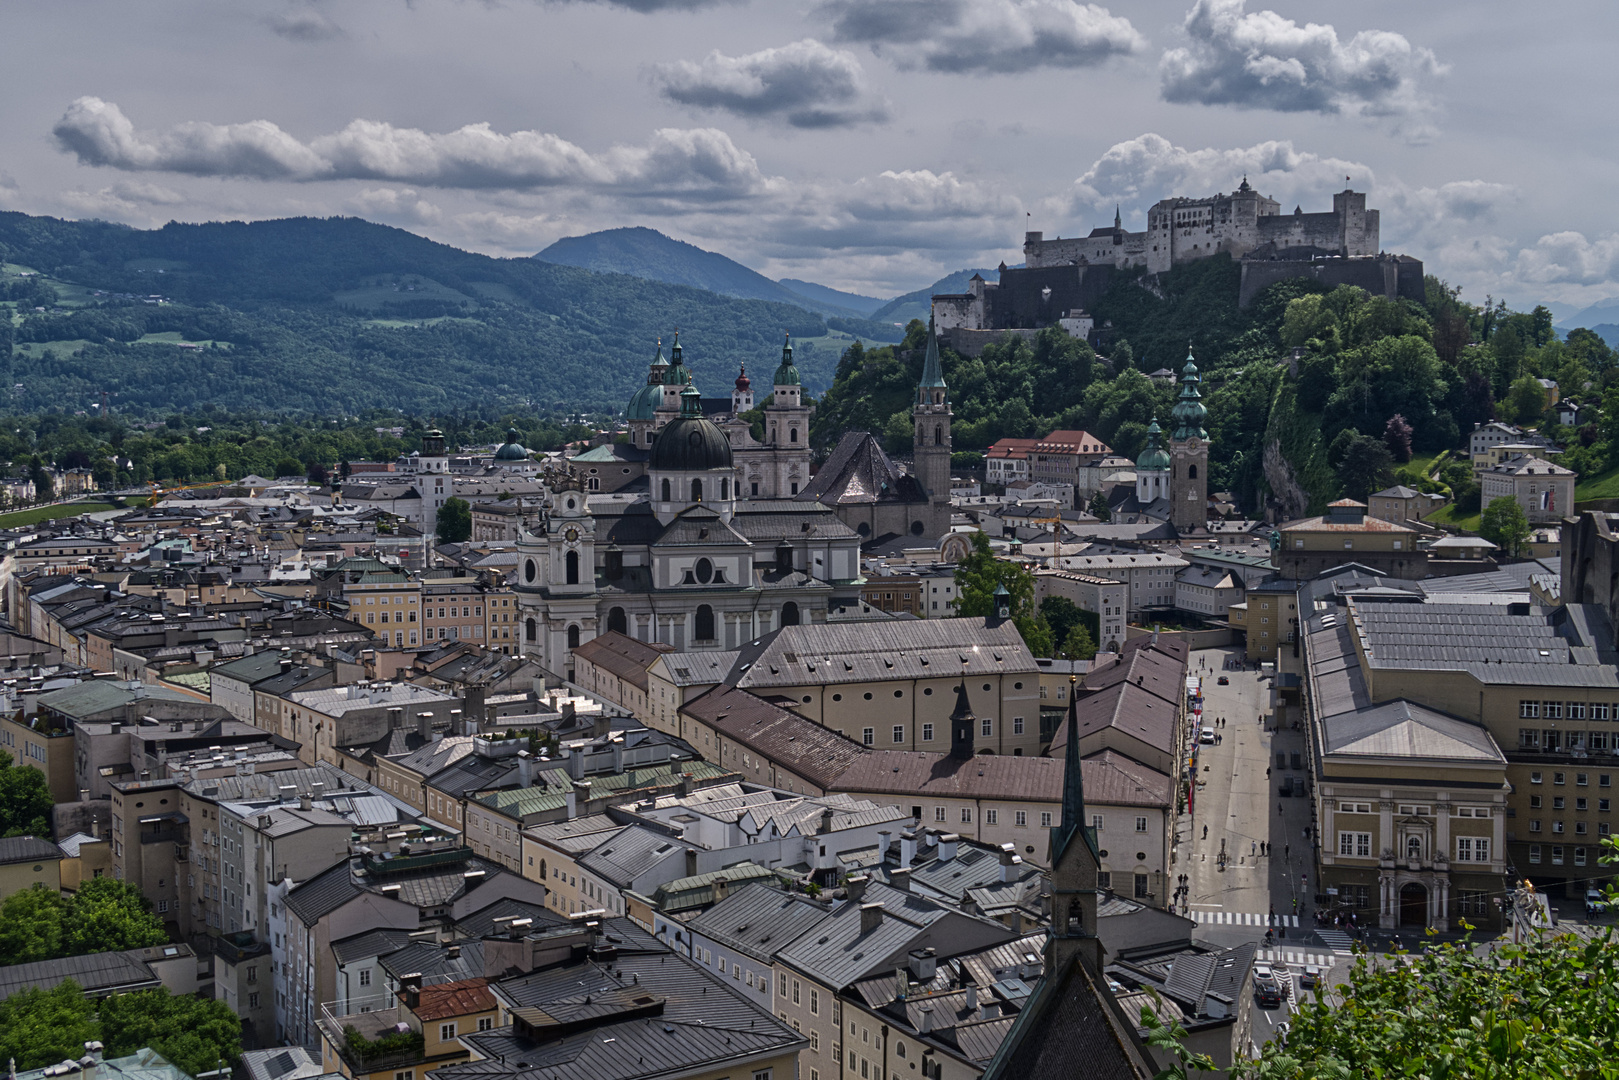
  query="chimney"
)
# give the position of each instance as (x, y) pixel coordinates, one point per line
(573, 802)
(871, 917)
(947, 846)
(691, 862)
(826, 821)
(458, 725)
(410, 989)
(907, 849)
(972, 996)
(84, 794)
(424, 725)
(924, 964)
(396, 719)
(722, 889)
(1008, 858)
(305, 802)
(525, 769)
(900, 878)
(857, 887)
(286, 665)
(115, 727)
(882, 843)
(474, 708)
(925, 1024)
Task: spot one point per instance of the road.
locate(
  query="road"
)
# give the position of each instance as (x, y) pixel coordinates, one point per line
(1242, 808)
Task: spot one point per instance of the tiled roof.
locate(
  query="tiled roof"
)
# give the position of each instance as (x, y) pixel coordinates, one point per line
(858, 471)
(446, 1000)
(790, 741)
(622, 655)
(24, 849)
(829, 653)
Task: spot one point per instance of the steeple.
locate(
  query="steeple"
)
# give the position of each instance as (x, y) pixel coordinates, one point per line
(691, 402)
(787, 371)
(659, 366)
(962, 722)
(1118, 221)
(932, 372)
(1190, 412)
(676, 374)
(1073, 784)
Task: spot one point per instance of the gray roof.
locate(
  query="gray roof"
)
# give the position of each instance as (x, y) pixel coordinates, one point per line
(378, 942)
(1402, 729)
(481, 923)
(24, 849)
(435, 961)
(280, 1063)
(433, 885)
(704, 1025)
(759, 920)
(836, 953)
(1496, 647)
(96, 973)
(632, 853)
(829, 653)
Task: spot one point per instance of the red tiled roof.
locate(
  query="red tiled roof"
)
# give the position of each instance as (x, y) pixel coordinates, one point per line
(447, 1000)
(622, 655)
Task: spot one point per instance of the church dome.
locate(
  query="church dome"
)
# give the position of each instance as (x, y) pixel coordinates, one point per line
(677, 373)
(743, 383)
(1154, 458)
(512, 450)
(690, 442)
(644, 403)
(787, 372)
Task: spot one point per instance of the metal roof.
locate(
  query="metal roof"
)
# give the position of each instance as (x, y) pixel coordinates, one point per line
(759, 920)
(832, 653)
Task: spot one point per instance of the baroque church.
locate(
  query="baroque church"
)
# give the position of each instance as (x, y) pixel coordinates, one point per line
(1173, 485)
(727, 538)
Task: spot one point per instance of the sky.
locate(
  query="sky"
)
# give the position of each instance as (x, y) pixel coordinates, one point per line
(869, 145)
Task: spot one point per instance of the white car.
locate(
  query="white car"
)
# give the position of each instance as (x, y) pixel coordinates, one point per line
(1206, 735)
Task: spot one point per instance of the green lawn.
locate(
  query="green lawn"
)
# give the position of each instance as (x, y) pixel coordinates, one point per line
(1604, 485)
(50, 513)
(1446, 515)
(1422, 464)
(36, 349)
(173, 337)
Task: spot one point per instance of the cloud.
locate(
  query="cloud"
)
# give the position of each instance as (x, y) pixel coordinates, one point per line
(305, 24)
(1150, 167)
(1569, 258)
(397, 204)
(649, 7)
(694, 163)
(1260, 60)
(983, 37)
(807, 83)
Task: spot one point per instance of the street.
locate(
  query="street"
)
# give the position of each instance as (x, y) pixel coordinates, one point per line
(1238, 799)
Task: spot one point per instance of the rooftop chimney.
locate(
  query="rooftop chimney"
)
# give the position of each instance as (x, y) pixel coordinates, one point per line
(947, 846)
(907, 849)
(924, 964)
(972, 996)
(410, 988)
(900, 878)
(305, 802)
(691, 861)
(722, 889)
(1008, 857)
(424, 725)
(525, 769)
(826, 820)
(871, 917)
(857, 886)
(925, 1024)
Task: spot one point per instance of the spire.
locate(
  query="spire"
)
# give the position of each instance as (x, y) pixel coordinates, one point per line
(1073, 784)
(742, 380)
(932, 369)
(787, 371)
(962, 722)
(691, 402)
(1118, 222)
(1190, 412)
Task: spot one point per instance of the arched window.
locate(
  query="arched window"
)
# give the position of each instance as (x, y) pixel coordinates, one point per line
(938, 434)
(1413, 847)
(617, 621)
(789, 614)
(573, 635)
(725, 490)
(703, 623)
(696, 491)
(792, 434)
(529, 573)
(573, 567)
(665, 489)
(533, 629)
(1191, 472)
(595, 483)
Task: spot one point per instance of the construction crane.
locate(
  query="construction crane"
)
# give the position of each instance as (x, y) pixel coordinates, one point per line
(159, 491)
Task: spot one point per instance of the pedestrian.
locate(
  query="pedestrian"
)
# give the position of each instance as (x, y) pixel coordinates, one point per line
(1278, 809)
(1253, 847)
(1205, 832)
(1286, 850)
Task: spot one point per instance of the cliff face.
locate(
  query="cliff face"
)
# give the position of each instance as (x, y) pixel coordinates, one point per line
(1295, 462)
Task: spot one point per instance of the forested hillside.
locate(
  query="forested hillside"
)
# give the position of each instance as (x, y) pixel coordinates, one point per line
(343, 315)
(1375, 381)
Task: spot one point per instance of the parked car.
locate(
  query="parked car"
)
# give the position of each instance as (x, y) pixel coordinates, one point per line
(1206, 736)
(1223, 680)
(1310, 978)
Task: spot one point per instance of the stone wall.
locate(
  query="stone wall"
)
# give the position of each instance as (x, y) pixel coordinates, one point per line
(1389, 276)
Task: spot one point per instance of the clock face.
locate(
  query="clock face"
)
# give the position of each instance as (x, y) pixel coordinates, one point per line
(572, 535)
(1191, 444)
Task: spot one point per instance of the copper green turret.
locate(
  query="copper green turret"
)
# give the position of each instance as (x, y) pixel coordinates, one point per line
(932, 370)
(676, 374)
(1189, 412)
(787, 371)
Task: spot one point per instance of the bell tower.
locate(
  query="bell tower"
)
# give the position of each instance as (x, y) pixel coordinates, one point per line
(930, 442)
(1189, 455)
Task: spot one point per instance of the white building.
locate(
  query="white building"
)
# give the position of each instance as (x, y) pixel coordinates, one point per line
(1149, 577)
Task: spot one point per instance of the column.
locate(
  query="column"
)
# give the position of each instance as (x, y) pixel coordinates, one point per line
(1441, 832)
(1386, 840)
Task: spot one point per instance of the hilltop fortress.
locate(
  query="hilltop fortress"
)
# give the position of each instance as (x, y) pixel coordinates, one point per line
(1062, 278)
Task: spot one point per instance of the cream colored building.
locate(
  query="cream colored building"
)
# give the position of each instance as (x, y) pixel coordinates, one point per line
(1400, 504)
(1545, 491)
(1345, 534)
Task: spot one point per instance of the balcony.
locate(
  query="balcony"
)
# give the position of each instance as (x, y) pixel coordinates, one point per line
(382, 1039)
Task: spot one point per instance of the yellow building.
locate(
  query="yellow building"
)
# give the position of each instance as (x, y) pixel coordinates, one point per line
(503, 625)
(387, 603)
(367, 1045)
(44, 742)
(1400, 504)
(87, 858)
(26, 861)
(1345, 534)
(1268, 618)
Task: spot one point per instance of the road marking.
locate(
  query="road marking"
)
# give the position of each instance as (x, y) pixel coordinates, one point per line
(1242, 918)
(1338, 941)
(1296, 956)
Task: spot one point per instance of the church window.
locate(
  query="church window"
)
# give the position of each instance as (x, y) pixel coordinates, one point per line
(705, 571)
(703, 623)
(755, 488)
(666, 489)
(615, 565)
(573, 567)
(533, 630)
(1191, 472)
(573, 636)
(696, 491)
(789, 614)
(529, 571)
(725, 490)
(616, 621)
(792, 434)
(938, 435)
(795, 487)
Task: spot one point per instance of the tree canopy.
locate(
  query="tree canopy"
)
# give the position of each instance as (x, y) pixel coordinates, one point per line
(977, 577)
(105, 915)
(43, 1027)
(25, 800)
(1505, 525)
(454, 521)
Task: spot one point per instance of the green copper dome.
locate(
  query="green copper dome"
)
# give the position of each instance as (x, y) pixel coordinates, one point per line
(1154, 458)
(1189, 412)
(676, 374)
(512, 450)
(787, 372)
(644, 403)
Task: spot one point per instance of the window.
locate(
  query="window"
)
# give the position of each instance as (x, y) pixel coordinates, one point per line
(938, 813)
(966, 816)
(927, 732)
(1551, 710)
(1528, 710)
(988, 728)
(1576, 710)
(1471, 903)
(1534, 853)
(407, 1074)
(797, 987)
(815, 1002)
(1020, 818)
(1045, 819)
(1534, 826)
(446, 1032)
(1557, 855)
(1534, 778)
(1104, 879)
(1579, 856)
(1528, 738)
(1141, 824)
(1603, 805)
(1557, 803)
(1535, 802)
(1141, 886)
(486, 1023)
(899, 733)
(1604, 779)
(1472, 849)
(992, 817)
(783, 990)
(365, 977)
(1557, 777)
(1017, 725)
(1581, 780)
(1355, 844)
(868, 736)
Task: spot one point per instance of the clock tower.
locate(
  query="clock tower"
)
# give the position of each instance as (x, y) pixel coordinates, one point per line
(1189, 455)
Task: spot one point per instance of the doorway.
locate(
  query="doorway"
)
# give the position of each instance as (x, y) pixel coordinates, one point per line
(1413, 905)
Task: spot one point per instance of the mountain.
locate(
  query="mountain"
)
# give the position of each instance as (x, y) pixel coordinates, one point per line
(860, 305)
(317, 315)
(917, 305)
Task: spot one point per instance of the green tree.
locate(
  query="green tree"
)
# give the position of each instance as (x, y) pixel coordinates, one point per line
(1099, 508)
(31, 923)
(454, 521)
(25, 800)
(1526, 400)
(44, 486)
(898, 432)
(288, 466)
(1364, 465)
(977, 577)
(44, 1027)
(1078, 645)
(108, 915)
(1504, 524)
(196, 1035)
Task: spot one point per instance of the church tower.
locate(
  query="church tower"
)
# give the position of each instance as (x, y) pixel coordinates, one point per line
(641, 414)
(742, 396)
(1075, 862)
(787, 428)
(931, 439)
(1152, 469)
(1189, 452)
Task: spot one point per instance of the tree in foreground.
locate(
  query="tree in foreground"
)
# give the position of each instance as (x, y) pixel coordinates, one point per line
(1504, 524)
(25, 800)
(42, 1027)
(105, 915)
(976, 579)
(454, 521)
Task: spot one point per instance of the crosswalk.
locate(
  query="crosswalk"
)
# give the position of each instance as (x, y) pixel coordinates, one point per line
(1336, 940)
(1297, 958)
(1241, 918)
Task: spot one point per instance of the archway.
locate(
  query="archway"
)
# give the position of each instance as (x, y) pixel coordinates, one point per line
(616, 621)
(789, 614)
(703, 623)
(1413, 905)
(573, 567)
